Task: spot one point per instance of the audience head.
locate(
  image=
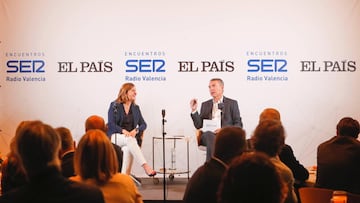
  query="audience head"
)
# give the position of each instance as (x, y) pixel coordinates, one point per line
(269, 113)
(95, 157)
(67, 142)
(37, 145)
(229, 142)
(123, 92)
(95, 122)
(252, 178)
(12, 143)
(348, 127)
(269, 137)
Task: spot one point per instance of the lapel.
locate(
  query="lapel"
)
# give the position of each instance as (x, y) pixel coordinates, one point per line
(135, 113)
(209, 109)
(224, 110)
(226, 104)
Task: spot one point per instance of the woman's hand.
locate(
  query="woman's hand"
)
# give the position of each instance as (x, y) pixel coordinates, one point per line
(126, 133)
(133, 132)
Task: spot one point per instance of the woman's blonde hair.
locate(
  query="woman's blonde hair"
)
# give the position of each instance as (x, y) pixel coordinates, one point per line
(122, 96)
(95, 157)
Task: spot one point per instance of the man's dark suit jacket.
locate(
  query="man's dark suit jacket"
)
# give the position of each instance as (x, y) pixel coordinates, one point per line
(204, 183)
(67, 164)
(338, 164)
(299, 171)
(230, 113)
(52, 187)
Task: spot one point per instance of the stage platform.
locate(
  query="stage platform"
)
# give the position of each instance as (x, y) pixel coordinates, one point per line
(152, 190)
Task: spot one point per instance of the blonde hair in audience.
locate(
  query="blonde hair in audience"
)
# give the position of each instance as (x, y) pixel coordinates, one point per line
(95, 157)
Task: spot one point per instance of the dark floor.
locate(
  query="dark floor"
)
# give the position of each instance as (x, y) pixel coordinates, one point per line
(152, 189)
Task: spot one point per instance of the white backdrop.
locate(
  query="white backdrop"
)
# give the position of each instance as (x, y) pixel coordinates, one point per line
(45, 37)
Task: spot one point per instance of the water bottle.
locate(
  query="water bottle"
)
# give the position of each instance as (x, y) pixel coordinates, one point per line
(173, 158)
(339, 197)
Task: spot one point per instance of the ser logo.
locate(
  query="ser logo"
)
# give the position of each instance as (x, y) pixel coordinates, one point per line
(267, 65)
(145, 65)
(25, 66)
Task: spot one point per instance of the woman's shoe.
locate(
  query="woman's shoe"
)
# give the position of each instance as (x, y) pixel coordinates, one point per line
(152, 174)
(148, 170)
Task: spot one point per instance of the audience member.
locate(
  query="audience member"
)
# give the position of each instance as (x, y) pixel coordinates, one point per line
(12, 175)
(97, 122)
(220, 109)
(252, 178)
(338, 159)
(269, 137)
(96, 164)
(38, 145)
(203, 185)
(286, 155)
(66, 152)
(301, 174)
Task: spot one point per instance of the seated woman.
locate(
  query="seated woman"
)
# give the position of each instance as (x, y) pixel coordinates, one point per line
(96, 163)
(125, 125)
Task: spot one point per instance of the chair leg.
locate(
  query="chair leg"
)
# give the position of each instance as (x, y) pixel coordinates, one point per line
(198, 137)
(135, 179)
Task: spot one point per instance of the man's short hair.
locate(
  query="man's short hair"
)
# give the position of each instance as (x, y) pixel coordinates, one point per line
(269, 113)
(95, 122)
(269, 137)
(218, 80)
(252, 177)
(229, 142)
(348, 126)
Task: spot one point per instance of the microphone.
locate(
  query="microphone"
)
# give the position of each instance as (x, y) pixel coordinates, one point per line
(221, 106)
(163, 113)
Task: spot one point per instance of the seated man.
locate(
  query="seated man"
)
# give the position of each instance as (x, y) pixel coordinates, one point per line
(219, 109)
(38, 145)
(338, 159)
